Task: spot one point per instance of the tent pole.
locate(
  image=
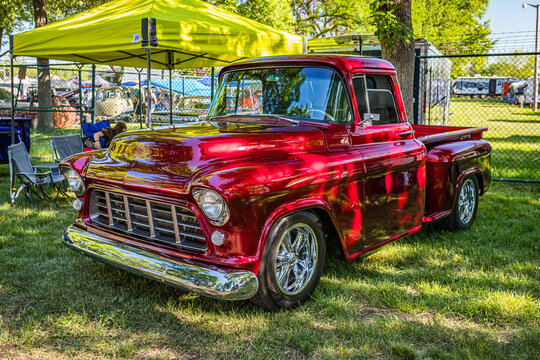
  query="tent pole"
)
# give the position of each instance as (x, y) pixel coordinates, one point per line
(93, 91)
(170, 95)
(148, 87)
(12, 97)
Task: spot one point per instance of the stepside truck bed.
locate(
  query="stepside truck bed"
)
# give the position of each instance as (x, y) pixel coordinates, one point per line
(453, 153)
(439, 134)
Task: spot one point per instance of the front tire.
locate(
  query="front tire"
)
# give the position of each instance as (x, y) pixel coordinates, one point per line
(292, 262)
(465, 206)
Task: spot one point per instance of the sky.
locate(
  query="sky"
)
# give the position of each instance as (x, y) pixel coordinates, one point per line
(512, 25)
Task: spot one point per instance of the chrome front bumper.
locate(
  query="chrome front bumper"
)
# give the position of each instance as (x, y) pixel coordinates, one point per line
(215, 283)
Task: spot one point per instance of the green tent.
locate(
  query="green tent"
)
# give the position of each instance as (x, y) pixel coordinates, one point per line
(180, 33)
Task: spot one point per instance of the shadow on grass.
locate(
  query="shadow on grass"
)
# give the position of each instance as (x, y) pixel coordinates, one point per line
(517, 121)
(425, 296)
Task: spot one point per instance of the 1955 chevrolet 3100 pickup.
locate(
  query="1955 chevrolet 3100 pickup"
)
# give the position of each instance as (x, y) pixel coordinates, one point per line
(295, 153)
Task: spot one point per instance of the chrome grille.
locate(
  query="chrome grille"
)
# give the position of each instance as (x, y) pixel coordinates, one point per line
(148, 219)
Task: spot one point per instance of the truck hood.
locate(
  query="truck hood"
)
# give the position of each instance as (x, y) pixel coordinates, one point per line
(165, 159)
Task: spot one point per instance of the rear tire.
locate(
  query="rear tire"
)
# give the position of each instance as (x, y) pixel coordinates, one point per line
(465, 206)
(292, 262)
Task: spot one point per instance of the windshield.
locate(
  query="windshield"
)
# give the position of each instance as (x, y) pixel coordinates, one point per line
(303, 93)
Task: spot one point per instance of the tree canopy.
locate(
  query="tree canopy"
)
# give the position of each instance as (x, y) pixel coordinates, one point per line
(452, 26)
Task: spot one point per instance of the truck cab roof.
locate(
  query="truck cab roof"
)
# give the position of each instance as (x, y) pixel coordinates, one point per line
(344, 63)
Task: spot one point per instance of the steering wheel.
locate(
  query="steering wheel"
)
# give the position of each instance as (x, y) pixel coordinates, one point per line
(325, 113)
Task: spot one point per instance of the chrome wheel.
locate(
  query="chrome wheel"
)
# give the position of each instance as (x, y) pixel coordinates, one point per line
(467, 201)
(296, 259)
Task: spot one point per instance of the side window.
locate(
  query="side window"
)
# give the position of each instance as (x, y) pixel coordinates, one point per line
(359, 85)
(375, 96)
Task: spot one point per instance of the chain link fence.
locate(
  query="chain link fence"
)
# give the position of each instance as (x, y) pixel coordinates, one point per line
(97, 95)
(493, 91)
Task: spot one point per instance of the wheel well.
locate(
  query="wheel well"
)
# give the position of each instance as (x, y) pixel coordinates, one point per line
(332, 238)
(480, 180)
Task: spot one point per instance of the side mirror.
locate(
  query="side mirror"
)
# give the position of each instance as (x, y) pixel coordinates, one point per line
(369, 117)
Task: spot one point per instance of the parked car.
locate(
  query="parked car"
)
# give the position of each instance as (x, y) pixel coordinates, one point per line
(114, 102)
(245, 204)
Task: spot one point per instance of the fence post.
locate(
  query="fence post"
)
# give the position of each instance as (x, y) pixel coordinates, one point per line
(140, 101)
(80, 98)
(93, 92)
(170, 95)
(149, 87)
(12, 98)
(212, 84)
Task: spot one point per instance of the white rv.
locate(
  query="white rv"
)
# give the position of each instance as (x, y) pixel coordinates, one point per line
(480, 85)
(528, 91)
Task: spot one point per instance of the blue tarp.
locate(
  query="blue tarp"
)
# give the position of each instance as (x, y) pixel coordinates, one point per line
(186, 86)
(208, 81)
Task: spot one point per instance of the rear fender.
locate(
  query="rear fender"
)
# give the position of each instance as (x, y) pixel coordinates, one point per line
(448, 164)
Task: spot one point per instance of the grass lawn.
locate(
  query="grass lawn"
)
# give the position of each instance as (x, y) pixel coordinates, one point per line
(436, 295)
(513, 132)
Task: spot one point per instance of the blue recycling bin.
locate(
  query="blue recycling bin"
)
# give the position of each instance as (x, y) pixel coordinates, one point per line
(22, 133)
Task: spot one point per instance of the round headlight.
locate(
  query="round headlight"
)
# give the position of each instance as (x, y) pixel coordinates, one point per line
(75, 181)
(213, 205)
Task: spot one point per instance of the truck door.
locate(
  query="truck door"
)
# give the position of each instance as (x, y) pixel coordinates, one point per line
(394, 162)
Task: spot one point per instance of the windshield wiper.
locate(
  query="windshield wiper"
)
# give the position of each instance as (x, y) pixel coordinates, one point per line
(294, 121)
(227, 116)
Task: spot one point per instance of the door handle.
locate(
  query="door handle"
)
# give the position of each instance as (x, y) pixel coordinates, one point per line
(406, 133)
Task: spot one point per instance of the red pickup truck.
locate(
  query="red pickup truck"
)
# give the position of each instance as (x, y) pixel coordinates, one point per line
(296, 154)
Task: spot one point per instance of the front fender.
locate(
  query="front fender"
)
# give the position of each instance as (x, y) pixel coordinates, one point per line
(79, 162)
(287, 209)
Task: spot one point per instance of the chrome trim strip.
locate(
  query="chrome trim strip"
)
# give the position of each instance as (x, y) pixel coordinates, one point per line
(150, 219)
(211, 282)
(109, 210)
(175, 224)
(127, 213)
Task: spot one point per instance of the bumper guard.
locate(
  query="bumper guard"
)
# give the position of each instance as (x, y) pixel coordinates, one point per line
(211, 282)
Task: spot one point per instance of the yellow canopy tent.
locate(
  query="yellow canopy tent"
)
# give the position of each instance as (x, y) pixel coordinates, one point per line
(181, 34)
(159, 34)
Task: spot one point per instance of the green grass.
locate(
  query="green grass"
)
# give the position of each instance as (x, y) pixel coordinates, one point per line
(432, 295)
(513, 132)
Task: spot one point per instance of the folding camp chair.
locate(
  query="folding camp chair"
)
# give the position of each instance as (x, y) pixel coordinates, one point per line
(64, 146)
(31, 178)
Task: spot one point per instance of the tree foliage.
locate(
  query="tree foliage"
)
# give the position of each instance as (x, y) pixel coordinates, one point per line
(275, 13)
(317, 18)
(453, 26)
(519, 67)
(389, 25)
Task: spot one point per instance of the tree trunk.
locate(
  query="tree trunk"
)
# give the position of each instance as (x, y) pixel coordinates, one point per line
(45, 118)
(400, 52)
(1, 33)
